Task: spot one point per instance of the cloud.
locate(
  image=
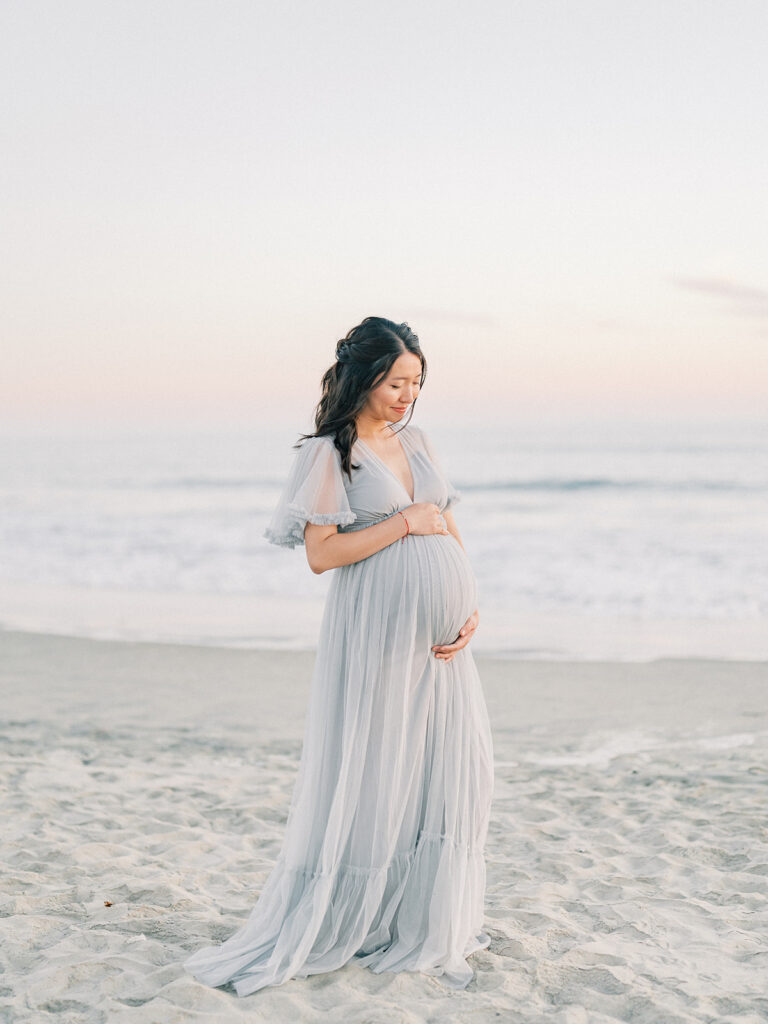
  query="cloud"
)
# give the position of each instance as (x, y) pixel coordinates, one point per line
(746, 299)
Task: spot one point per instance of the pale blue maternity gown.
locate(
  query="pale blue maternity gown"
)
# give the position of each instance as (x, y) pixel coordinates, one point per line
(383, 854)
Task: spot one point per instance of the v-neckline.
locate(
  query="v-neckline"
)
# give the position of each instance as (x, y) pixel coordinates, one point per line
(389, 468)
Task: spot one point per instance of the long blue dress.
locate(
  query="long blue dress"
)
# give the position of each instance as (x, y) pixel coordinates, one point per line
(382, 862)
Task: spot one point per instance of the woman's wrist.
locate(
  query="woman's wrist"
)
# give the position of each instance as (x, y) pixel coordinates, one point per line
(407, 524)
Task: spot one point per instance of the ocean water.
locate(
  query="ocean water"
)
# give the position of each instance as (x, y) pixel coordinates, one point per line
(622, 540)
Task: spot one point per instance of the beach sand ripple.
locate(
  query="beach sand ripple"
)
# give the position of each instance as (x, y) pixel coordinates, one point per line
(627, 874)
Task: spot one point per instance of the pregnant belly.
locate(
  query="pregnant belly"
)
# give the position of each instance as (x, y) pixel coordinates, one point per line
(421, 591)
(445, 586)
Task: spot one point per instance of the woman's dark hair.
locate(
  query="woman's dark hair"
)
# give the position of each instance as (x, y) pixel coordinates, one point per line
(363, 359)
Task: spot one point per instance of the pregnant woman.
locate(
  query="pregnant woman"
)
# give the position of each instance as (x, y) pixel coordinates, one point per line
(382, 862)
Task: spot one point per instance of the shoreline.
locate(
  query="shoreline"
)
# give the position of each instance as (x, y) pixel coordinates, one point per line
(242, 621)
(264, 647)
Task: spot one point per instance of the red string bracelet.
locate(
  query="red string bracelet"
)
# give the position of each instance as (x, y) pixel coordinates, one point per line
(407, 524)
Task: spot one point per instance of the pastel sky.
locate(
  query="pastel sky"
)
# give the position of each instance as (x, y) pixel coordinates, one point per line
(565, 200)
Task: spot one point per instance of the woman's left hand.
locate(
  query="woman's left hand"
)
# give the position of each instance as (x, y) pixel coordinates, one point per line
(447, 651)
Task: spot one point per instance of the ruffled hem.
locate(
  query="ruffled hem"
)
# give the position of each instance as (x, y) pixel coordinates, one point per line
(291, 532)
(311, 922)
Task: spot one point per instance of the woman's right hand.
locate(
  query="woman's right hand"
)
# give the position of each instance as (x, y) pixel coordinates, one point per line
(424, 517)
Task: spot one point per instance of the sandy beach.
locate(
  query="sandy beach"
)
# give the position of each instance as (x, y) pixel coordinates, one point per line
(627, 855)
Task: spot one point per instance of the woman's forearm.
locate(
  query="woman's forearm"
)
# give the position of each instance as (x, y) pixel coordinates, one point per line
(344, 548)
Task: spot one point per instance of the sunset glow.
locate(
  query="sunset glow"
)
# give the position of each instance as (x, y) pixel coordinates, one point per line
(565, 202)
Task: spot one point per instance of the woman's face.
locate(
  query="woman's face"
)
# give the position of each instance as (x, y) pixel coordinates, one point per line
(392, 397)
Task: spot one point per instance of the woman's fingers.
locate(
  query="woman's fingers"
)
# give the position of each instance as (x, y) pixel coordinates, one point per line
(443, 650)
(447, 651)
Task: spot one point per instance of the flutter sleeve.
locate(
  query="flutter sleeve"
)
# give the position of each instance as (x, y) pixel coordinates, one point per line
(313, 493)
(454, 495)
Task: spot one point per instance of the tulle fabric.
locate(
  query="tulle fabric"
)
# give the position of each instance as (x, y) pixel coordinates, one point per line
(382, 860)
(314, 493)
